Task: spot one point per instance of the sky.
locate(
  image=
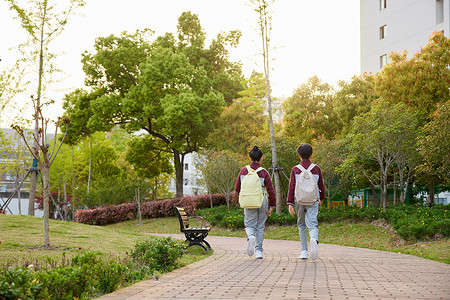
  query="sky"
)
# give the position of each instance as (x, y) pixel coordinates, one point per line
(308, 38)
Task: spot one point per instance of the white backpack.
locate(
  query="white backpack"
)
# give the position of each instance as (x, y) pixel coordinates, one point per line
(252, 194)
(306, 189)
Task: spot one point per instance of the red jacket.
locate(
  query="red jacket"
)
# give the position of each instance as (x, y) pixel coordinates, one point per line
(316, 170)
(262, 174)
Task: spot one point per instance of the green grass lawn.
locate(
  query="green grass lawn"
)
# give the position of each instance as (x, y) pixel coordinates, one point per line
(21, 238)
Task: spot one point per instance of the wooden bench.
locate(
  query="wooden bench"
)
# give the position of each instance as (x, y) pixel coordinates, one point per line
(194, 235)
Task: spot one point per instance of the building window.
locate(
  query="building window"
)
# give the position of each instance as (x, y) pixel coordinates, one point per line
(186, 182)
(383, 4)
(383, 60)
(186, 166)
(439, 11)
(382, 32)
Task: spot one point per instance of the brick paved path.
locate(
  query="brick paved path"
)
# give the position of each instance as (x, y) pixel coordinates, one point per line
(339, 273)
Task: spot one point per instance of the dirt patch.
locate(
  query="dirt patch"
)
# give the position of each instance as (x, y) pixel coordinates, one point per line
(47, 248)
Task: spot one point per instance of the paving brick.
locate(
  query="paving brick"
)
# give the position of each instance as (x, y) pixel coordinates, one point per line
(339, 273)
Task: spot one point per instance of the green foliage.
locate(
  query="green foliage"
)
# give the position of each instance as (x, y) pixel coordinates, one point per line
(353, 99)
(243, 120)
(147, 158)
(410, 221)
(19, 283)
(421, 81)
(159, 253)
(86, 275)
(309, 112)
(174, 89)
(434, 145)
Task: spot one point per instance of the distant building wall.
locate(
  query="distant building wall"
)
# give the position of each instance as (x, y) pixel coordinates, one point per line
(398, 25)
(191, 177)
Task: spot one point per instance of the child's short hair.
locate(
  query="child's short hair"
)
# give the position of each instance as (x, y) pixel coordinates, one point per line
(255, 154)
(305, 151)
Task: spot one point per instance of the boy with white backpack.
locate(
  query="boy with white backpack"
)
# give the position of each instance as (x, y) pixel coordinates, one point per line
(306, 194)
(256, 194)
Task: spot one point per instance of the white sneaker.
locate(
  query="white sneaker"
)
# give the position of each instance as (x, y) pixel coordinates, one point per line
(251, 245)
(314, 249)
(258, 254)
(304, 254)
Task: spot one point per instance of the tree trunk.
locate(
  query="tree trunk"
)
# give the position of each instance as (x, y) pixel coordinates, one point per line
(374, 195)
(179, 162)
(431, 193)
(46, 188)
(276, 171)
(32, 195)
(90, 168)
(73, 186)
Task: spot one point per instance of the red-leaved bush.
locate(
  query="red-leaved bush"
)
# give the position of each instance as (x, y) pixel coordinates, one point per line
(150, 209)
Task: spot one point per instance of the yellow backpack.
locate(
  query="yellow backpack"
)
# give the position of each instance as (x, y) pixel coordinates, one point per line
(252, 189)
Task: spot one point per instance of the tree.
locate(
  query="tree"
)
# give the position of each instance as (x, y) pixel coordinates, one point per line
(243, 120)
(352, 99)
(147, 158)
(44, 161)
(265, 28)
(379, 134)
(220, 170)
(174, 90)
(309, 112)
(434, 148)
(43, 23)
(420, 82)
(329, 155)
(11, 83)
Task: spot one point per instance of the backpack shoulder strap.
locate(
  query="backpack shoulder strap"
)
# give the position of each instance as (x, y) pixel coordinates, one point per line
(249, 169)
(259, 169)
(311, 167)
(301, 168)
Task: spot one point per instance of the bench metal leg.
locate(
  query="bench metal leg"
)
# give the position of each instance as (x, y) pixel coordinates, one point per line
(198, 239)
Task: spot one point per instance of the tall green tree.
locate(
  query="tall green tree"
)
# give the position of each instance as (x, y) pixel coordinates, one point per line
(243, 120)
(352, 99)
(309, 112)
(329, 155)
(434, 148)
(379, 135)
(421, 81)
(174, 89)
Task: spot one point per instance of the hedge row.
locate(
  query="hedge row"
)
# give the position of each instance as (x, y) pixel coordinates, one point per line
(150, 209)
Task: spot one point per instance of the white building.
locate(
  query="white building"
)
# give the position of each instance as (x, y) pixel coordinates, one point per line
(191, 176)
(398, 25)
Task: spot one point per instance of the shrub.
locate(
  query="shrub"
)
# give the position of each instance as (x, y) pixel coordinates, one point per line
(19, 283)
(159, 253)
(67, 282)
(149, 209)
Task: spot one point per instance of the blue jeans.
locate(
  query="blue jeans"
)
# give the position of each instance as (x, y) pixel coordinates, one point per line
(255, 222)
(307, 218)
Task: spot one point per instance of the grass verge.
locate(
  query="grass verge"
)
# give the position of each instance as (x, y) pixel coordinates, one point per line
(21, 238)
